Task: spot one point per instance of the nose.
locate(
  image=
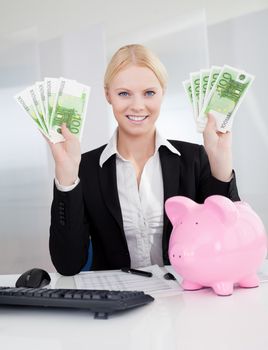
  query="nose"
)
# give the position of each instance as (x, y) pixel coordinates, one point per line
(137, 104)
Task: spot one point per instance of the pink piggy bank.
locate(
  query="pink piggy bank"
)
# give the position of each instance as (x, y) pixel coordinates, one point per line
(216, 244)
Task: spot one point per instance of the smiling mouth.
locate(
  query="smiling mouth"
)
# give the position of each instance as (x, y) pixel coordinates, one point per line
(136, 118)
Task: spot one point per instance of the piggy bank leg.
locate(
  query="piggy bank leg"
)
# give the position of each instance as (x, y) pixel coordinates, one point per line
(187, 285)
(249, 282)
(223, 288)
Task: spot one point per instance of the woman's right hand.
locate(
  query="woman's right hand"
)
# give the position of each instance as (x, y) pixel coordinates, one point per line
(67, 156)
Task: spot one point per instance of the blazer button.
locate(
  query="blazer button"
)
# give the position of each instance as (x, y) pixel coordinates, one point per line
(62, 222)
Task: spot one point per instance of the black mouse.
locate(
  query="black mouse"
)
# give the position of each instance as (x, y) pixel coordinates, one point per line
(169, 276)
(34, 278)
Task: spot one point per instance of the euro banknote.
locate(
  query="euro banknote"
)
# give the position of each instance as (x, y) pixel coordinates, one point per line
(55, 101)
(219, 91)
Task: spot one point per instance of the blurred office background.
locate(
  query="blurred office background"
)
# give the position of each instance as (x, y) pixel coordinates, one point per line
(75, 39)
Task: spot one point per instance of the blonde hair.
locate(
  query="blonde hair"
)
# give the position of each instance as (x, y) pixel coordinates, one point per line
(138, 55)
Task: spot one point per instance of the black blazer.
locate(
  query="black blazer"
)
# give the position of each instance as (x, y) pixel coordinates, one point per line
(92, 209)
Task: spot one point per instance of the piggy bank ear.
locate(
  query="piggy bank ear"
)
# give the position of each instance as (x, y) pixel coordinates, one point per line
(222, 207)
(178, 207)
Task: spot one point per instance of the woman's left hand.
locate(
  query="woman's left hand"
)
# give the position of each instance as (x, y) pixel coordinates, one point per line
(218, 146)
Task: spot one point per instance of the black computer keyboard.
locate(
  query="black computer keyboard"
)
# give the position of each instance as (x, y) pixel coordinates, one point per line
(101, 302)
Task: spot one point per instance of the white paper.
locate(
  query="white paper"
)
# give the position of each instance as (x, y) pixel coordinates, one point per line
(118, 280)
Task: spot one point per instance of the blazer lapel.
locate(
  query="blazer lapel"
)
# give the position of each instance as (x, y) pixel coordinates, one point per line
(109, 190)
(170, 164)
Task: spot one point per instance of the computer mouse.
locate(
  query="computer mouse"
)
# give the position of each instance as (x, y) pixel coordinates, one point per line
(34, 278)
(169, 276)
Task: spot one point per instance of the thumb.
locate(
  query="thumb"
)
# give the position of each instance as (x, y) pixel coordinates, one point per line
(211, 124)
(211, 121)
(66, 133)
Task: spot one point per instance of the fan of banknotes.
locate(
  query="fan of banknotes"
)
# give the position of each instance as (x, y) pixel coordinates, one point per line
(218, 90)
(55, 101)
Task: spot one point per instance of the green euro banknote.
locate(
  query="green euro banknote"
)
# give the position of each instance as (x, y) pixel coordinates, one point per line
(188, 90)
(225, 97)
(213, 76)
(51, 87)
(37, 103)
(204, 77)
(40, 91)
(54, 101)
(70, 107)
(26, 102)
(195, 85)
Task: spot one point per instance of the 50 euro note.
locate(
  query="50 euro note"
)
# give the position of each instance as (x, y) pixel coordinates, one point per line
(225, 97)
(70, 107)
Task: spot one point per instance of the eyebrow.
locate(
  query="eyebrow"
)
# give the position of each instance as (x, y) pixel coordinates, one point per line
(126, 89)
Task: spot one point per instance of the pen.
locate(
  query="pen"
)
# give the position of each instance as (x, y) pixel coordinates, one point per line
(137, 272)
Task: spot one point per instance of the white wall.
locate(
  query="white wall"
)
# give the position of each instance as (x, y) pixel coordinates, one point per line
(242, 42)
(26, 167)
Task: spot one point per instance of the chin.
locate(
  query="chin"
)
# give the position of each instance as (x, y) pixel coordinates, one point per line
(138, 132)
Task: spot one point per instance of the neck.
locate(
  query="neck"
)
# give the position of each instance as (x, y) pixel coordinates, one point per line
(133, 147)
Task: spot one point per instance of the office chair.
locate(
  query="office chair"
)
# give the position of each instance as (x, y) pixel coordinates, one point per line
(88, 264)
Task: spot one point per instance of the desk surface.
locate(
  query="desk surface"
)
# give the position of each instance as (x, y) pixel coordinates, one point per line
(190, 320)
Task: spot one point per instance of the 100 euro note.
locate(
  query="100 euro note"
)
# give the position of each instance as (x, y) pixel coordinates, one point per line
(195, 87)
(40, 91)
(204, 78)
(26, 102)
(213, 76)
(37, 103)
(51, 87)
(225, 97)
(188, 90)
(69, 107)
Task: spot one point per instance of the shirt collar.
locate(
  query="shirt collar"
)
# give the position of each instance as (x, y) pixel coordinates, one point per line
(111, 147)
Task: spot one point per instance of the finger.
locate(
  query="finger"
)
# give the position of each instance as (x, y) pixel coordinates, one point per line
(211, 124)
(66, 133)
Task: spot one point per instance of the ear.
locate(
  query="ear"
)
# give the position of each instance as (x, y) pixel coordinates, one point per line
(107, 95)
(178, 207)
(222, 207)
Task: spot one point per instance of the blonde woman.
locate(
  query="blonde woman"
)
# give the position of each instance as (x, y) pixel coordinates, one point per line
(114, 195)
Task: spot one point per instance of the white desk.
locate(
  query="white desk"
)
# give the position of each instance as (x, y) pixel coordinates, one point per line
(191, 320)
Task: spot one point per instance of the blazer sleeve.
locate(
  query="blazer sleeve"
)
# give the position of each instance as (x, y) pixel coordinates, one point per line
(208, 185)
(69, 231)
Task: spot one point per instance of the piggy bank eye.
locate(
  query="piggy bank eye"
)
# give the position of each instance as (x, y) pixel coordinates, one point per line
(196, 222)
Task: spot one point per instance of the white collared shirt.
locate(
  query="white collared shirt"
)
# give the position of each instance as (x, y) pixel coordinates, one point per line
(142, 207)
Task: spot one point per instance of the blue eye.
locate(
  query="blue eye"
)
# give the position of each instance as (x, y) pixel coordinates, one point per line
(149, 93)
(123, 93)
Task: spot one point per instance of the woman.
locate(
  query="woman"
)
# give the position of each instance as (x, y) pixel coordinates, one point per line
(115, 195)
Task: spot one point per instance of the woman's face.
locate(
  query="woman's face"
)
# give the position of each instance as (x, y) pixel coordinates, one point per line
(135, 94)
